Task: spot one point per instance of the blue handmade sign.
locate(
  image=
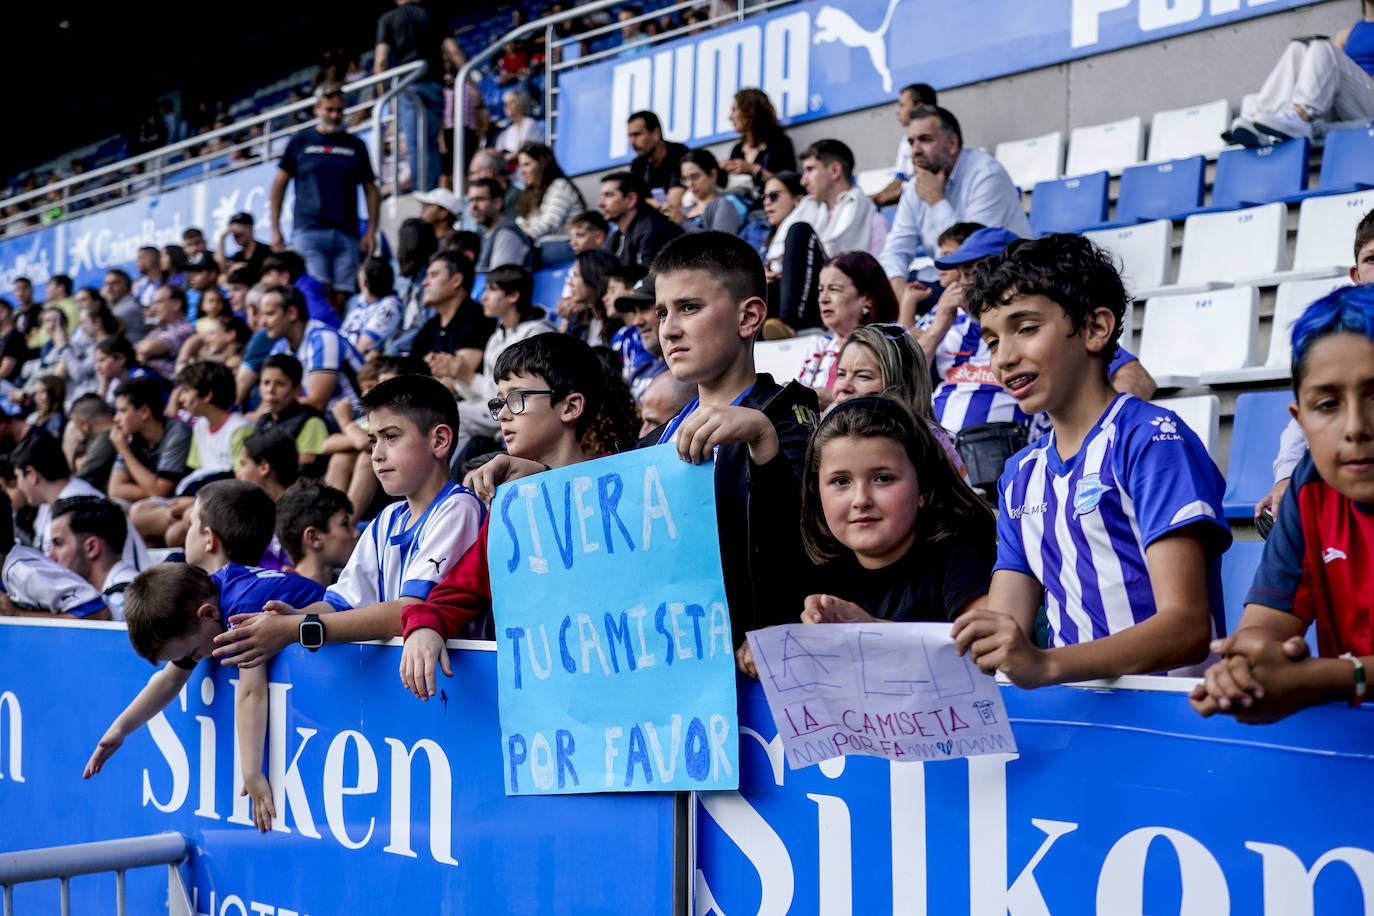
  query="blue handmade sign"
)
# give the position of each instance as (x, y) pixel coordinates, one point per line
(614, 651)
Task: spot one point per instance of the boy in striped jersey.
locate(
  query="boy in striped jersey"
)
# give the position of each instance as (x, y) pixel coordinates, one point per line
(1316, 567)
(1112, 520)
(406, 549)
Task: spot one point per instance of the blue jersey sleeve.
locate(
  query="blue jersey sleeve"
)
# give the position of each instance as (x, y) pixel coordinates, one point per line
(1011, 498)
(1280, 570)
(1170, 479)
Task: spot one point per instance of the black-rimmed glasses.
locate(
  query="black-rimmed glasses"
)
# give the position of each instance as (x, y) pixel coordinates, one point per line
(514, 401)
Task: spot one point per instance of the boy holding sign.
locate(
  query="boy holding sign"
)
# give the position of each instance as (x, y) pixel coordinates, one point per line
(406, 549)
(549, 388)
(711, 303)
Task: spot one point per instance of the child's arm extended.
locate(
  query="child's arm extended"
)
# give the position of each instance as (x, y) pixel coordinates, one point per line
(1265, 673)
(250, 719)
(160, 690)
(1174, 636)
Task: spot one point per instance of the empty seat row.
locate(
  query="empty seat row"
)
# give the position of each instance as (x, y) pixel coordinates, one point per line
(1239, 246)
(1174, 134)
(1177, 189)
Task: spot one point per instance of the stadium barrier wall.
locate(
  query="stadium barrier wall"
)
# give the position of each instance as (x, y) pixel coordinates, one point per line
(1120, 801)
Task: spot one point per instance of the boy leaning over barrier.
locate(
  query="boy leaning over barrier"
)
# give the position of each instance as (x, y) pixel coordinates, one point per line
(1317, 566)
(406, 549)
(548, 390)
(174, 611)
(1113, 519)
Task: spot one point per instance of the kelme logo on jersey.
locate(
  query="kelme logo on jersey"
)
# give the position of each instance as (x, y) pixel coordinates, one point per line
(1168, 429)
(1087, 493)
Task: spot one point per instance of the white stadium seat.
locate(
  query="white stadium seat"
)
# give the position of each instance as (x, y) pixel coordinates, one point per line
(1184, 336)
(1033, 159)
(871, 181)
(1326, 228)
(1145, 253)
(1196, 130)
(1221, 249)
(1106, 147)
(1202, 413)
(1291, 300)
(783, 359)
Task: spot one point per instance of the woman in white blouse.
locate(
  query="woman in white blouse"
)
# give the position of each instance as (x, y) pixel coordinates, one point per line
(549, 199)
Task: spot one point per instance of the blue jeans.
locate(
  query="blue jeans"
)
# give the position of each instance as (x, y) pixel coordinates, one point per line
(330, 256)
(430, 97)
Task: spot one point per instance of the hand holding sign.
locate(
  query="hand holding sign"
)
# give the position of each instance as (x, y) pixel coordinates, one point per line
(897, 691)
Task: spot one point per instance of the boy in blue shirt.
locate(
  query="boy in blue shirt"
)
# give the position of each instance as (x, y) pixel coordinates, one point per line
(174, 611)
(406, 549)
(1112, 520)
(1316, 567)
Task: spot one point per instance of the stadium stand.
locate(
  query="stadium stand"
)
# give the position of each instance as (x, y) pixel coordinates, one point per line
(1221, 248)
(1292, 298)
(1248, 177)
(1070, 204)
(1202, 413)
(1164, 190)
(1326, 226)
(1144, 253)
(1112, 147)
(1033, 160)
(1259, 419)
(1183, 336)
(1195, 130)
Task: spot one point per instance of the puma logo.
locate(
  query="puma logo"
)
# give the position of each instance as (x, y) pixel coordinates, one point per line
(834, 24)
(438, 565)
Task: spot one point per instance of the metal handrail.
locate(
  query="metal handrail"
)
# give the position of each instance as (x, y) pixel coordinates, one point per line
(742, 9)
(118, 856)
(130, 175)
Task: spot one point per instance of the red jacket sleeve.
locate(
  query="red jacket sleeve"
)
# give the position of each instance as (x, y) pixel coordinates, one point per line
(463, 596)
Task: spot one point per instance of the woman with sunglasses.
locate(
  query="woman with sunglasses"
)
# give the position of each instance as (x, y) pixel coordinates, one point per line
(792, 254)
(854, 292)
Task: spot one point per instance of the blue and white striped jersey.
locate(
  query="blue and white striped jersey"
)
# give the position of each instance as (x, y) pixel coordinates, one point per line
(966, 391)
(1081, 526)
(322, 349)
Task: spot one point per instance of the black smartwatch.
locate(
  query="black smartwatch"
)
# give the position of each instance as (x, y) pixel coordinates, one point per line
(312, 632)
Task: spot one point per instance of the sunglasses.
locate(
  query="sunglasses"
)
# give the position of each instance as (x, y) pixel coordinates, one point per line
(772, 196)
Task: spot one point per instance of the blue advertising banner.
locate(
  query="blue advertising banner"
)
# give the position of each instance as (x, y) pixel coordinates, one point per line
(614, 652)
(387, 804)
(1120, 802)
(33, 255)
(816, 60)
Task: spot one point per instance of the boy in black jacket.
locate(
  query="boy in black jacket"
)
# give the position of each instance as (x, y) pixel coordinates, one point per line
(711, 304)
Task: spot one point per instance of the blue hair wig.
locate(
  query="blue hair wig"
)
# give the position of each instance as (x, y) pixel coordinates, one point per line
(1349, 309)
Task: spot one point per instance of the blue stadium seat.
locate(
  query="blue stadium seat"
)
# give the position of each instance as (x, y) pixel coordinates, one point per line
(548, 285)
(1259, 419)
(552, 252)
(1238, 565)
(1347, 161)
(1247, 177)
(1161, 190)
(1069, 204)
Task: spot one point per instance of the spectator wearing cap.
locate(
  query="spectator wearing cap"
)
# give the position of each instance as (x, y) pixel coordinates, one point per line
(202, 273)
(638, 309)
(328, 166)
(248, 251)
(441, 208)
(951, 183)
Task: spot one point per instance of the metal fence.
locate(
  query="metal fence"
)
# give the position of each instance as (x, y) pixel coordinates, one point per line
(66, 862)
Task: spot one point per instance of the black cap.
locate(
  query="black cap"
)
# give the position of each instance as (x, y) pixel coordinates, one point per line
(201, 261)
(640, 297)
(243, 216)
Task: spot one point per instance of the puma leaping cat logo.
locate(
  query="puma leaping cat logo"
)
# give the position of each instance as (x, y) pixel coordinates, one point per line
(834, 24)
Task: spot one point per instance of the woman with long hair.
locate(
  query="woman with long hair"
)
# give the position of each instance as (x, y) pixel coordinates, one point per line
(549, 199)
(415, 245)
(792, 254)
(763, 148)
(588, 319)
(854, 292)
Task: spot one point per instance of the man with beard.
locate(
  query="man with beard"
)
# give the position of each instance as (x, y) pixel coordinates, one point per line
(328, 165)
(950, 184)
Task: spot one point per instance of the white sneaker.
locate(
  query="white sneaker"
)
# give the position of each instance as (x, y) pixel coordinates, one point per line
(1286, 125)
